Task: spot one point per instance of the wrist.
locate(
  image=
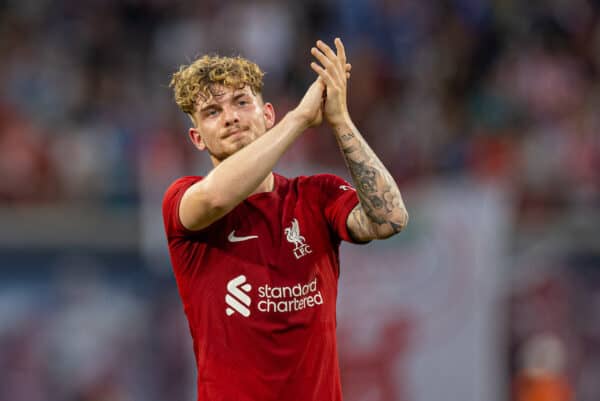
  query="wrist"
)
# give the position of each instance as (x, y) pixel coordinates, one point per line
(342, 124)
(297, 119)
(304, 120)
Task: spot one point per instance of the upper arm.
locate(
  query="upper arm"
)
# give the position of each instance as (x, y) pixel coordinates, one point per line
(359, 226)
(363, 229)
(199, 207)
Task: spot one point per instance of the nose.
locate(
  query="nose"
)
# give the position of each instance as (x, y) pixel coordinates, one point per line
(231, 117)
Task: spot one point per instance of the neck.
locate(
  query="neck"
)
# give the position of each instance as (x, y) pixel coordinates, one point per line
(267, 185)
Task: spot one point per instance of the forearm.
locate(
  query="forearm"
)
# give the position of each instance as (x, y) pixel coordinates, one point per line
(236, 177)
(241, 173)
(379, 195)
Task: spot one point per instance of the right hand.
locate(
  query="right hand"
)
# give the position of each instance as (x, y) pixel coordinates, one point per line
(310, 108)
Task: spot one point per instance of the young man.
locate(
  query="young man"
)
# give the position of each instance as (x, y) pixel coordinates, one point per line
(255, 254)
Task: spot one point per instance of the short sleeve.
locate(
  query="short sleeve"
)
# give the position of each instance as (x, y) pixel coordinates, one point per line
(338, 198)
(170, 206)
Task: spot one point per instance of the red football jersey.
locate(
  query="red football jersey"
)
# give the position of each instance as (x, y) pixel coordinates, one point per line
(259, 289)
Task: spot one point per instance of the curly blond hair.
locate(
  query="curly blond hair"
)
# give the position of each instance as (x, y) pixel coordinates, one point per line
(195, 79)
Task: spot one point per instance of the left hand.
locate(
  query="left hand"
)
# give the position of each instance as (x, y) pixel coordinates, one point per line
(335, 72)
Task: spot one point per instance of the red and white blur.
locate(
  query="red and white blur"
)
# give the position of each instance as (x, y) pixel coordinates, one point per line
(487, 114)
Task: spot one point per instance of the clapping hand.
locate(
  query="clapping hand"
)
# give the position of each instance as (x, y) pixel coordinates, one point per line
(334, 71)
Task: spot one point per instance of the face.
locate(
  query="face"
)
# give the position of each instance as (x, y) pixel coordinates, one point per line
(229, 120)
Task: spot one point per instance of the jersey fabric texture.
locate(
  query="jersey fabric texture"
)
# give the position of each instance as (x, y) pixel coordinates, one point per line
(259, 289)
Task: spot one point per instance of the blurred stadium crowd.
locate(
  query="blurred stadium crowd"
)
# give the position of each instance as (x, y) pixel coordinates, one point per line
(503, 92)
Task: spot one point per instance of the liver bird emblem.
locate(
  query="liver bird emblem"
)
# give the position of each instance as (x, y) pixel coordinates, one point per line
(293, 234)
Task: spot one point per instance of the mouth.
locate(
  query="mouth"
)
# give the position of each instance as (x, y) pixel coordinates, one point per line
(234, 133)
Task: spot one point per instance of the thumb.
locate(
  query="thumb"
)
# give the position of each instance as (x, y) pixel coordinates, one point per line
(322, 87)
(319, 83)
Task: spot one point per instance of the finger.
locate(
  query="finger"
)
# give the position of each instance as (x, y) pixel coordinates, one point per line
(326, 62)
(348, 66)
(324, 74)
(347, 75)
(341, 50)
(336, 61)
(326, 50)
(321, 57)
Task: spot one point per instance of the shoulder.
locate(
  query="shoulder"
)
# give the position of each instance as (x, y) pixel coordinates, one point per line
(179, 186)
(329, 184)
(181, 182)
(321, 180)
(170, 204)
(323, 188)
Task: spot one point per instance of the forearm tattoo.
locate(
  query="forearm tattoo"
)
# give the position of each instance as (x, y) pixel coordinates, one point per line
(377, 191)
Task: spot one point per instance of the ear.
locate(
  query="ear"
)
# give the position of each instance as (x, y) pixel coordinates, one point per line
(196, 138)
(269, 114)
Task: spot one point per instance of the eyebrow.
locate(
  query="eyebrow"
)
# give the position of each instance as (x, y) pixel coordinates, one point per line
(214, 104)
(208, 107)
(239, 95)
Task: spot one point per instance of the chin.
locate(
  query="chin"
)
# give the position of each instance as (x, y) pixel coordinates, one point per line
(246, 140)
(238, 146)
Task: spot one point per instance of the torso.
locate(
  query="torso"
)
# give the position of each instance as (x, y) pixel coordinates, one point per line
(259, 289)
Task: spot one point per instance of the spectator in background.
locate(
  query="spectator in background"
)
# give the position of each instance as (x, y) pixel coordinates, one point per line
(542, 374)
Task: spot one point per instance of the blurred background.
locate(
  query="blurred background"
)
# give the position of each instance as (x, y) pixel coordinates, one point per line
(486, 113)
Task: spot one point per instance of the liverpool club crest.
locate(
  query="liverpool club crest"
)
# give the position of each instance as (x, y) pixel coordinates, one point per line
(292, 233)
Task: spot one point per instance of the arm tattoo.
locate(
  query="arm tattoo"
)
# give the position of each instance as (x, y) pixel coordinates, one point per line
(380, 198)
(346, 137)
(367, 176)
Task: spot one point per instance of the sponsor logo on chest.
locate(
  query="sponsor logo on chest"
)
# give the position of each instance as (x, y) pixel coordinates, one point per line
(293, 236)
(271, 299)
(237, 298)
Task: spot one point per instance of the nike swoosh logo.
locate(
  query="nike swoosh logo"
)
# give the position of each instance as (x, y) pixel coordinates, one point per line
(233, 238)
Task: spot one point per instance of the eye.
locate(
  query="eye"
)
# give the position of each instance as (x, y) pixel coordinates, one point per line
(242, 102)
(211, 113)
